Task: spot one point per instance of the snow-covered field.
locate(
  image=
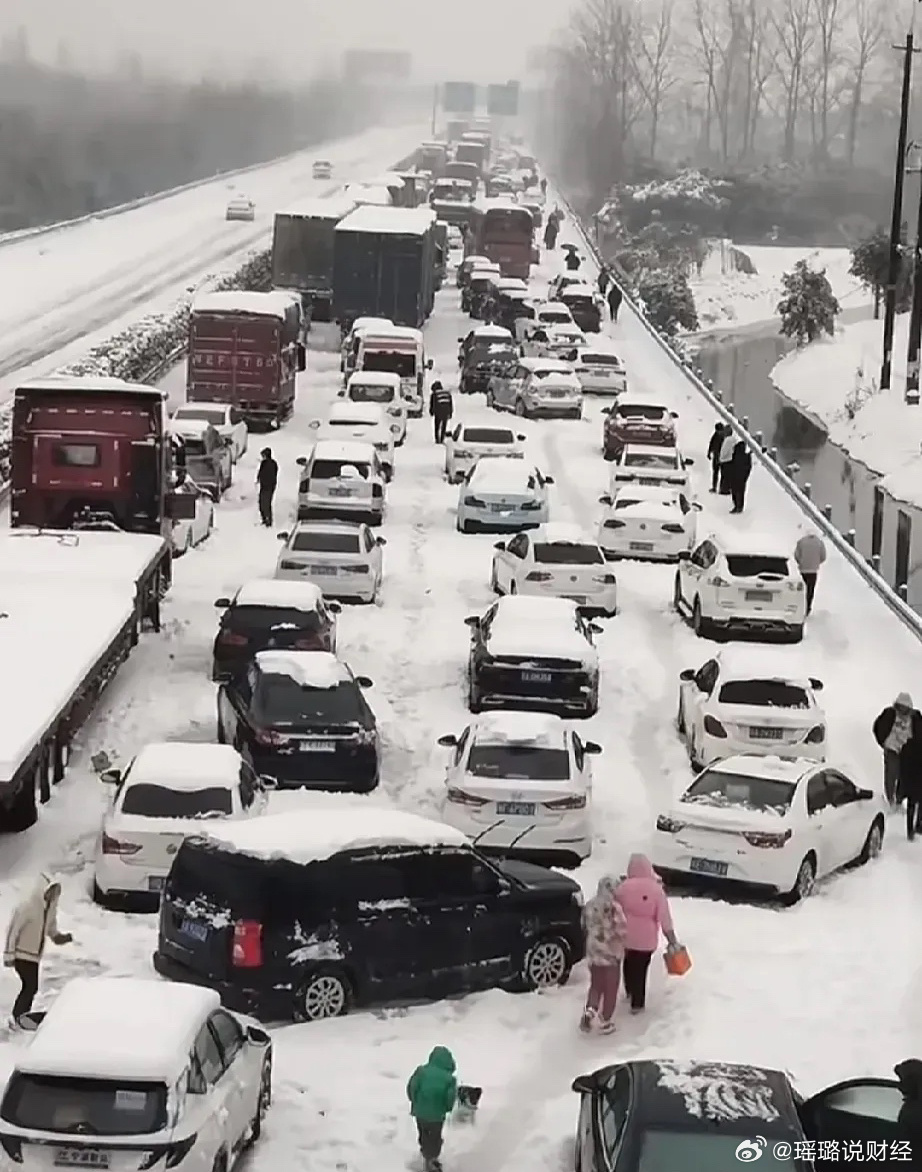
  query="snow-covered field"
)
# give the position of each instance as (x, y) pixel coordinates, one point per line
(828, 989)
(65, 291)
(837, 381)
(725, 298)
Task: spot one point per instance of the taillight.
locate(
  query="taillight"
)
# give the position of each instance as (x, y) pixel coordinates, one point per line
(231, 639)
(247, 948)
(672, 528)
(377, 491)
(289, 565)
(769, 841)
(475, 502)
(460, 798)
(713, 727)
(358, 568)
(797, 586)
(605, 579)
(613, 524)
(266, 736)
(816, 735)
(669, 825)
(528, 505)
(539, 576)
(114, 846)
(577, 802)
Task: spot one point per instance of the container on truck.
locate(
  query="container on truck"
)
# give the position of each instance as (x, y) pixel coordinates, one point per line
(400, 351)
(302, 252)
(472, 151)
(432, 157)
(464, 171)
(452, 201)
(246, 349)
(384, 265)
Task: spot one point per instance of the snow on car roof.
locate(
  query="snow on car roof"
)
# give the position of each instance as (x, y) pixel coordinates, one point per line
(654, 451)
(512, 284)
(345, 411)
(77, 555)
(600, 352)
(501, 471)
(181, 765)
(732, 541)
(305, 596)
(528, 625)
(560, 533)
(374, 378)
(654, 493)
(188, 410)
(388, 221)
(274, 304)
(189, 428)
(561, 378)
(120, 1028)
(556, 306)
(547, 365)
(763, 663)
(492, 332)
(314, 834)
(520, 728)
(309, 669)
(89, 383)
(633, 399)
(356, 451)
(498, 205)
(334, 207)
(327, 526)
(364, 323)
(366, 196)
(577, 291)
(475, 260)
(755, 765)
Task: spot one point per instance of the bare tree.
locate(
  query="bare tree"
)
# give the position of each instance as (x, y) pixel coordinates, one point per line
(719, 38)
(827, 21)
(793, 25)
(654, 65)
(759, 50)
(867, 35)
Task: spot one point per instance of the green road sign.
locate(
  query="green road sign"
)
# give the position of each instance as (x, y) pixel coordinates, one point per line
(459, 97)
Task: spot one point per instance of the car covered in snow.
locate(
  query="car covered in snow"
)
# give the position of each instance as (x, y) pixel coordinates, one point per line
(556, 561)
(518, 387)
(477, 290)
(349, 348)
(468, 442)
(502, 494)
(768, 823)
(331, 906)
(520, 784)
(240, 208)
(163, 795)
(548, 314)
(741, 582)
(600, 372)
(190, 531)
(322, 169)
(343, 559)
(468, 265)
(637, 420)
(561, 342)
(751, 700)
(342, 481)
(301, 717)
(647, 522)
(585, 304)
(265, 614)
(364, 421)
(643, 464)
(128, 1073)
(380, 388)
(206, 456)
(533, 653)
(483, 353)
(225, 418)
(560, 282)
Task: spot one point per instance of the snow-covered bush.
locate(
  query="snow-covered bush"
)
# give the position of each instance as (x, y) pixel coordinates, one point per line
(668, 301)
(808, 308)
(871, 265)
(689, 198)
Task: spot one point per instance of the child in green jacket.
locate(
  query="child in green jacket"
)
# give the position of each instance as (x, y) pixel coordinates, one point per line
(432, 1091)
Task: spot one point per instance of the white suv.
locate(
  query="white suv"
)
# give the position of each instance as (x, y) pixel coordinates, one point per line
(741, 582)
(125, 1073)
(342, 481)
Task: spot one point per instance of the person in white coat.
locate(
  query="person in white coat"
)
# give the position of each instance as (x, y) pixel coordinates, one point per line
(725, 461)
(34, 922)
(809, 554)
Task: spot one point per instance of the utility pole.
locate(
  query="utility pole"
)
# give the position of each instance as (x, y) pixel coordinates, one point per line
(893, 271)
(911, 393)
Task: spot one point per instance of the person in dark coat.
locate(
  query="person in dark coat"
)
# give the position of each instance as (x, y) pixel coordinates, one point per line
(267, 478)
(740, 471)
(604, 280)
(573, 261)
(550, 234)
(441, 408)
(909, 1120)
(544, 187)
(615, 297)
(898, 731)
(714, 446)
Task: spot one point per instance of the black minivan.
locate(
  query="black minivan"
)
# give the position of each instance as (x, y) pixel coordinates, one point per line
(299, 916)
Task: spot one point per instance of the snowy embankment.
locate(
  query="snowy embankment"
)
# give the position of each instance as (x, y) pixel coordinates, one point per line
(836, 382)
(725, 298)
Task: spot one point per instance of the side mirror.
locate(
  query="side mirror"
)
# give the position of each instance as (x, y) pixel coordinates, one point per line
(364, 682)
(268, 782)
(595, 629)
(448, 741)
(683, 555)
(521, 437)
(314, 423)
(461, 341)
(334, 607)
(472, 620)
(101, 762)
(865, 795)
(605, 499)
(697, 506)
(429, 364)
(301, 461)
(688, 675)
(584, 1084)
(592, 748)
(34, 1017)
(673, 415)
(380, 541)
(687, 461)
(257, 1036)
(282, 536)
(606, 411)
(816, 685)
(549, 480)
(111, 777)
(500, 545)
(222, 603)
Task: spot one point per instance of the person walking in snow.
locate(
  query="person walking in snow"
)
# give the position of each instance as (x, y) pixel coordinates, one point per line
(551, 231)
(604, 280)
(441, 408)
(740, 471)
(34, 922)
(809, 554)
(714, 446)
(432, 1091)
(725, 459)
(909, 1120)
(573, 260)
(267, 478)
(543, 187)
(646, 910)
(898, 731)
(615, 297)
(605, 927)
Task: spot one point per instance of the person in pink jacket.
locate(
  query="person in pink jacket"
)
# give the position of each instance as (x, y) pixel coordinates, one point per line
(646, 910)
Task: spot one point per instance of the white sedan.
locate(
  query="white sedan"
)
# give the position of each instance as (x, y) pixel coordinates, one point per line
(240, 208)
(224, 418)
(468, 442)
(640, 464)
(187, 533)
(600, 372)
(750, 700)
(502, 494)
(348, 420)
(520, 783)
(648, 522)
(322, 170)
(344, 559)
(556, 561)
(563, 341)
(163, 796)
(768, 823)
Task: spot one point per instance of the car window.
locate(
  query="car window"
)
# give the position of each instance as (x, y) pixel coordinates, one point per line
(706, 676)
(704, 555)
(461, 745)
(872, 1102)
(764, 694)
(457, 875)
(729, 790)
(579, 752)
(369, 541)
(85, 1106)
(614, 1111)
(362, 883)
(568, 553)
(839, 790)
(751, 565)
(148, 800)
(228, 1034)
(817, 797)
(207, 1057)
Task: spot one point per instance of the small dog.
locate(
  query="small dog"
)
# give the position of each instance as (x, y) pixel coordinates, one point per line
(467, 1104)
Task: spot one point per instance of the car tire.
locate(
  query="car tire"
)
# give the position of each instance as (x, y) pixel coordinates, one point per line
(678, 600)
(680, 719)
(220, 1163)
(700, 625)
(474, 703)
(804, 883)
(463, 527)
(222, 732)
(263, 1103)
(99, 896)
(326, 994)
(874, 842)
(513, 589)
(546, 965)
(794, 634)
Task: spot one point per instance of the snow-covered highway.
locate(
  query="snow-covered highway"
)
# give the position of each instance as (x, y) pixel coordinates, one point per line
(806, 989)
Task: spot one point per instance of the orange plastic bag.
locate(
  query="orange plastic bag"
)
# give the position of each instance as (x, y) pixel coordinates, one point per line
(678, 962)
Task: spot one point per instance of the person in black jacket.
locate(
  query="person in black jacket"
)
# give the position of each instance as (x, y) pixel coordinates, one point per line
(267, 477)
(898, 731)
(909, 1120)
(615, 297)
(604, 280)
(714, 446)
(740, 471)
(573, 260)
(441, 408)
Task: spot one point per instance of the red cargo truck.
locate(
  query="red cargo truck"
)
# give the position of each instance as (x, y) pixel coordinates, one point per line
(246, 349)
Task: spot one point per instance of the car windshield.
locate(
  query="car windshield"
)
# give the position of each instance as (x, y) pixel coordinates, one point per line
(194, 447)
(651, 460)
(256, 620)
(767, 693)
(200, 468)
(752, 565)
(720, 788)
(339, 469)
(317, 542)
(599, 360)
(159, 801)
(84, 1106)
(371, 393)
(708, 1151)
(486, 435)
(630, 411)
(568, 553)
(579, 301)
(390, 360)
(519, 762)
(215, 415)
(284, 703)
(554, 315)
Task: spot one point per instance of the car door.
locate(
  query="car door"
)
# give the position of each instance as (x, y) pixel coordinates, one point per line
(694, 571)
(849, 817)
(698, 692)
(821, 822)
(582, 763)
(251, 793)
(451, 440)
(453, 770)
(512, 561)
(372, 551)
(222, 1093)
(856, 1119)
(612, 1106)
(240, 1084)
(234, 700)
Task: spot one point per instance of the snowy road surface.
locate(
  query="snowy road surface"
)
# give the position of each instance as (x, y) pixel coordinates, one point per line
(64, 291)
(828, 989)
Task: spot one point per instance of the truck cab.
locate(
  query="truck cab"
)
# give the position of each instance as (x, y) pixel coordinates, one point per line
(400, 351)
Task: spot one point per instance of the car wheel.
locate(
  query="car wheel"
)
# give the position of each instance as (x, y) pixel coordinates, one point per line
(491, 402)
(99, 896)
(220, 1163)
(222, 734)
(513, 589)
(324, 995)
(473, 697)
(805, 882)
(677, 599)
(546, 965)
(262, 1103)
(680, 718)
(463, 527)
(874, 842)
(794, 634)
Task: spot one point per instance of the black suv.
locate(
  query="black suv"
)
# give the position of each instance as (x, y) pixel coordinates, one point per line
(270, 614)
(300, 717)
(299, 916)
(481, 361)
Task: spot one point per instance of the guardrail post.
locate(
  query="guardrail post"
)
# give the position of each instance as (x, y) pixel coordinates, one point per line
(760, 440)
(773, 454)
(903, 591)
(718, 394)
(874, 562)
(731, 407)
(850, 537)
(746, 422)
(808, 490)
(827, 512)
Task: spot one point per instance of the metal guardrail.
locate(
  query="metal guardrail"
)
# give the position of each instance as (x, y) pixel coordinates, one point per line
(844, 543)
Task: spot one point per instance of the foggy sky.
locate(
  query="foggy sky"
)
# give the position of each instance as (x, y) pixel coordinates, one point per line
(475, 40)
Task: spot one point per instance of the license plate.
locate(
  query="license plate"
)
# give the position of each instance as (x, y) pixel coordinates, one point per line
(537, 677)
(500, 508)
(516, 809)
(642, 546)
(342, 492)
(194, 930)
(759, 596)
(81, 1158)
(155, 882)
(321, 570)
(708, 867)
(767, 734)
(318, 746)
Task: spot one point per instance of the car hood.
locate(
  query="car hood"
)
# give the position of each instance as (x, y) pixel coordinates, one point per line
(535, 877)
